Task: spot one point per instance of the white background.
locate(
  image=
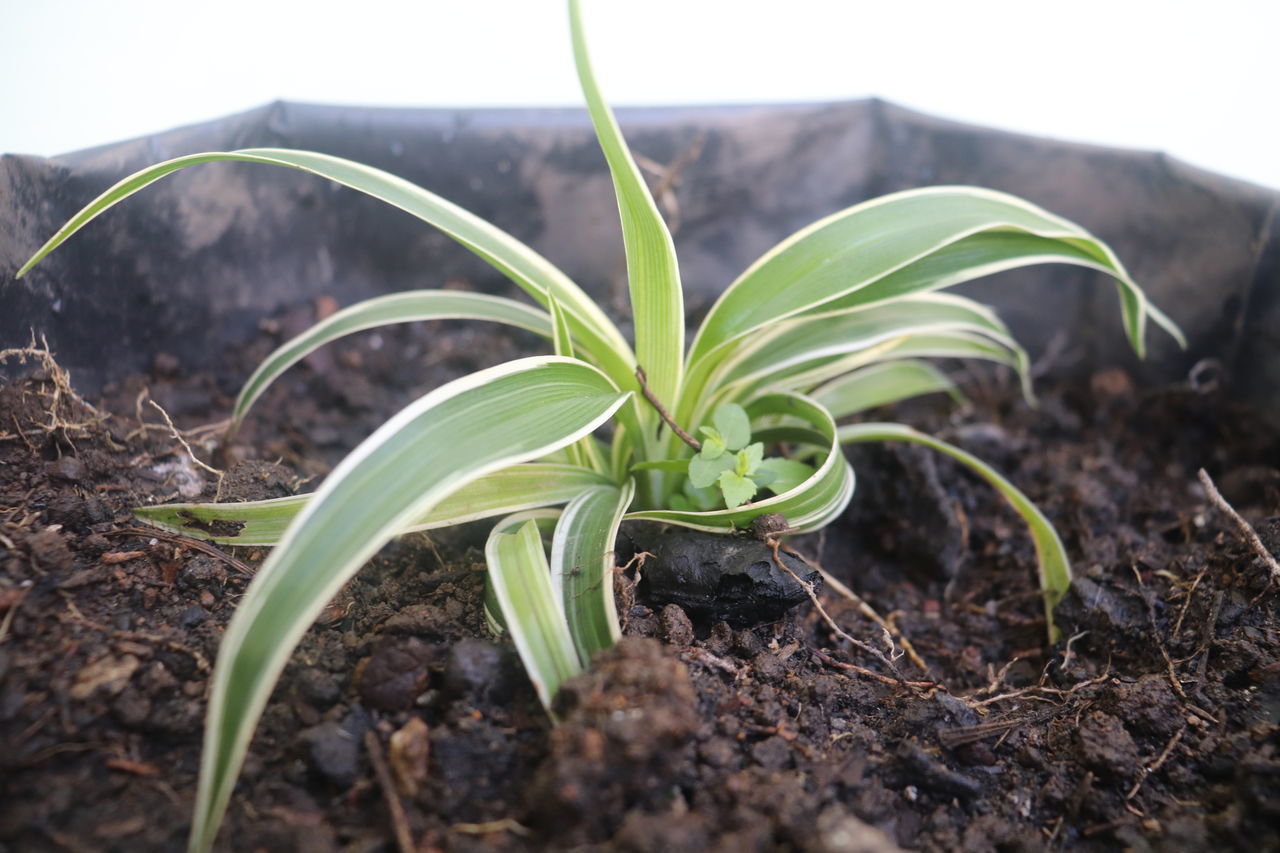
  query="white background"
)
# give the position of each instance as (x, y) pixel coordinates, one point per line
(1195, 79)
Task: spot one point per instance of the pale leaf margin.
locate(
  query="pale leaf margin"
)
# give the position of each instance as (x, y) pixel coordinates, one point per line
(473, 426)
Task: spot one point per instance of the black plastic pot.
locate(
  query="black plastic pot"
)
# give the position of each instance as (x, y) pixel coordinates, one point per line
(194, 262)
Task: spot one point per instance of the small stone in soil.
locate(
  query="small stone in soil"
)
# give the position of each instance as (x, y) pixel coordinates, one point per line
(334, 748)
(715, 576)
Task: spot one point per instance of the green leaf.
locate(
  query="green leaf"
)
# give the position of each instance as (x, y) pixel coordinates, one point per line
(713, 444)
(882, 384)
(935, 345)
(561, 335)
(808, 506)
(534, 274)
(513, 489)
(473, 426)
(906, 242)
(1055, 569)
(657, 301)
(749, 458)
(408, 307)
(763, 477)
(736, 488)
(851, 249)
(582, 561)
(682, 503)
(704, 472)
(787, 473)
(698, 499)
(521, 582)
(793, 345)
(733, 425)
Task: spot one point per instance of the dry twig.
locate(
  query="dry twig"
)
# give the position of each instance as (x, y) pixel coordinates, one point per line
(399, 821)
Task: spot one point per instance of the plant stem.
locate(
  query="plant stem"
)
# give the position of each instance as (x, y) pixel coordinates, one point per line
(662, 412)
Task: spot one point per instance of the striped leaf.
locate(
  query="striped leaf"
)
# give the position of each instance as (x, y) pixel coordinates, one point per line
(510, 490)
(906, 242)
(881, 384)
(473, 426)
(408, 307)
(582, 562)
(657, 301)
(533, 273)
(520, 581)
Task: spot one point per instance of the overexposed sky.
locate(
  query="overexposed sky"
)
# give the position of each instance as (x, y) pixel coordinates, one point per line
(1198, 80)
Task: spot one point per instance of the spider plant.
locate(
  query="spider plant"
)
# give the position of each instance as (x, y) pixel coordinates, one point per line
(833, 321)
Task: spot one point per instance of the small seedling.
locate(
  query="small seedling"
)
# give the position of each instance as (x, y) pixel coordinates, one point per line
(830, 323)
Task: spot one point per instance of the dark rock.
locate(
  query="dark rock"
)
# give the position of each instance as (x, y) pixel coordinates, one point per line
(333, 749)
(192, 616)
(715, 576)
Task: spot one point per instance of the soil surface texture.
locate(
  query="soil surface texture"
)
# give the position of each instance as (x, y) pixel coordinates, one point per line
(401, 724)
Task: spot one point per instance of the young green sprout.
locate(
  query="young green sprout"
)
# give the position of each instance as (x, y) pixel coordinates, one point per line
(833, 321)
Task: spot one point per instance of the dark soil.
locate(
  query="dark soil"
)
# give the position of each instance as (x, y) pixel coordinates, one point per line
(1152, 725)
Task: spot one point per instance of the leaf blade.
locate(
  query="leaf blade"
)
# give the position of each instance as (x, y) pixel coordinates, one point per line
(407, 307)
(534, 274)
(475, 425)
(582, 561)
(510, 490)
(520, 579)
(881, 384)
(657, 299)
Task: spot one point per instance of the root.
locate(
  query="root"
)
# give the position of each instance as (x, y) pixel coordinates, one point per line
(1246, 531)
(889, 659)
